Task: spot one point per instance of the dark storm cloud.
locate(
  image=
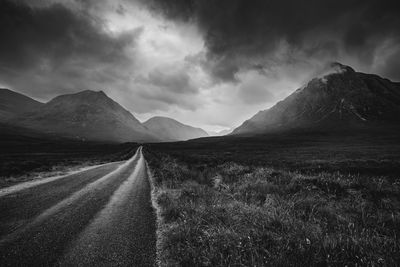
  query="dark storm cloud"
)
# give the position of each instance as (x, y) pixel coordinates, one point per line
(54, 32)
(238, 32)
(53, 40)
(177, 82)
(171, 87)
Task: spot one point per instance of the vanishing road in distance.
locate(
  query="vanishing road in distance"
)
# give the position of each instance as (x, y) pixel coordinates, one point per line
(101, 216)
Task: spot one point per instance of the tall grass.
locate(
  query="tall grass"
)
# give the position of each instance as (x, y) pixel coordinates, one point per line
(235, 215)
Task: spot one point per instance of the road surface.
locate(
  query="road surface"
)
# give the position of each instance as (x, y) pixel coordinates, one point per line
(101, 216)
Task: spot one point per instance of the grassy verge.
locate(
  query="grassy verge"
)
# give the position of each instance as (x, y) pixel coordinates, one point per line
(234, 214)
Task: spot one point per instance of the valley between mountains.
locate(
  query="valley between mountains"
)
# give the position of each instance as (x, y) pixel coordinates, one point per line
(340, 99)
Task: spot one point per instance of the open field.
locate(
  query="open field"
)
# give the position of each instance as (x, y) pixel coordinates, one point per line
(356, 153)
(27, 158)
(302, 200)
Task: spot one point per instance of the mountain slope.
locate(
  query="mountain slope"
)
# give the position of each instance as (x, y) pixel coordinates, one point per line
(12, 104)
(339, 98)
(167, 129)
(87, 115)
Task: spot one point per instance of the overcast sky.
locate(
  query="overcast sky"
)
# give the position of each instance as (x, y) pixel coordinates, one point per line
(207, 63)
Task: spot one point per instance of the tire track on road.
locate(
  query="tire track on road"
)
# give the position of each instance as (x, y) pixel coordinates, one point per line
(20, 207)
(124, 232)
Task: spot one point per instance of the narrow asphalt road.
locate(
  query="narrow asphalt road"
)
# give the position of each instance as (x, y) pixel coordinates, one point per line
(98, 217)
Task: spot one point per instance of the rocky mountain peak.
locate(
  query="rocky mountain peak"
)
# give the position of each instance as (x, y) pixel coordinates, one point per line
(340, 68)
(338, 98)
(334, 69)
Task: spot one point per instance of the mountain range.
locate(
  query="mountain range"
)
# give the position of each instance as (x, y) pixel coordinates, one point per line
(338, 99)
(87, 115)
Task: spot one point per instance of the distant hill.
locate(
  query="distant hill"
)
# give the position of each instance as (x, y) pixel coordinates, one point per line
(87, 115)
(340, 98)
(12, 104)
(167, 129)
